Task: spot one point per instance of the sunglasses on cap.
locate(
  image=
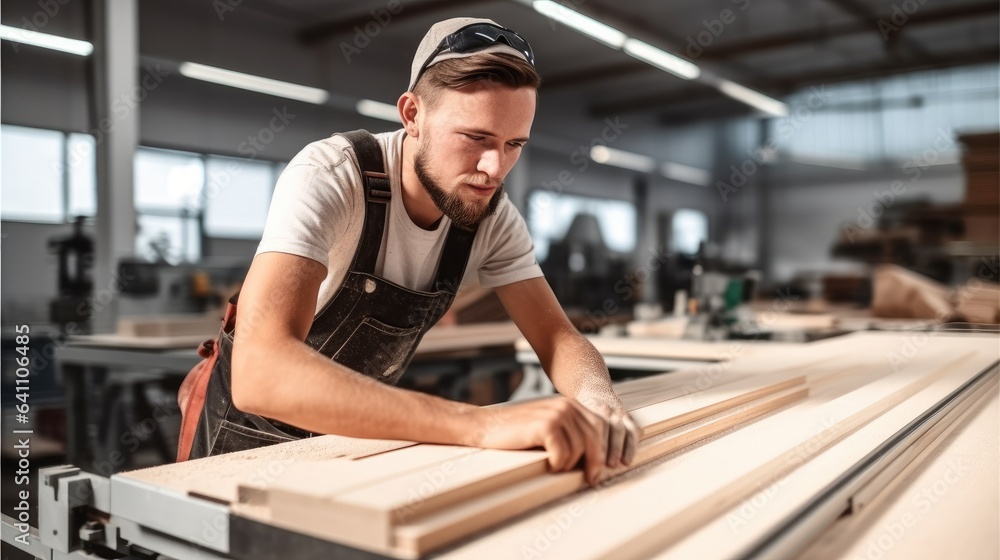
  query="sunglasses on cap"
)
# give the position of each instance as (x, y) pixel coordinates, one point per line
(477, 37)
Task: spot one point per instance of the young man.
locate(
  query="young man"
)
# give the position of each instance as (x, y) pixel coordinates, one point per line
(354, 267)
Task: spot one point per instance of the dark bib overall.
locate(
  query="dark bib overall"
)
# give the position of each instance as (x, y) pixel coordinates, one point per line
(371, 325)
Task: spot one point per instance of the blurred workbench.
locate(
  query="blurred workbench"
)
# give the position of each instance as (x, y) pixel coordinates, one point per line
(451, 356)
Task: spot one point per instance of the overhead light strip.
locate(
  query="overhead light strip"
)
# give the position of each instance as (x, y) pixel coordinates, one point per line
(647, 164)
(46, 41)
(584, 24)
(623, 159)
(653, 55)
(753, 98)
(378, 110)
(254, 83)
(661, 59)
(686, 174)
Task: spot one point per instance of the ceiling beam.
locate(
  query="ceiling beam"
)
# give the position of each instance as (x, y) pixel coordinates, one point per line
(919, 18)
(783, 85)
(868, 18)
(316, 34)
(786, 40)
(591, 75)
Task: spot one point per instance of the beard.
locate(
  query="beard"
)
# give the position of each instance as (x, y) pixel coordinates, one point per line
(463, 213)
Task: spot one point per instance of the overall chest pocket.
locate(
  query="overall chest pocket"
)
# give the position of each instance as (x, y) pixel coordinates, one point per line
(378, 350)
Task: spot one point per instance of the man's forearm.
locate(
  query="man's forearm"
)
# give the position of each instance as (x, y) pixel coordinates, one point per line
(297, 385)
(577, 370)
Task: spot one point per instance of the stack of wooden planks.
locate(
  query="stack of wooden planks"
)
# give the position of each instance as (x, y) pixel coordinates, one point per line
(715, 437)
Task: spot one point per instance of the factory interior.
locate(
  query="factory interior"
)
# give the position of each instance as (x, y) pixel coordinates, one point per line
(772, 228)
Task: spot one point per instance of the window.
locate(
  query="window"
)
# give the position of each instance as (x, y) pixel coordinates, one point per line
(168, 204)
(171, 238)
(688, 229)
(180, 196)
(47, 175)
(168, 181)
(550, 216)
(237, 196)
(32, 174)
(81, 157)
(895, 118)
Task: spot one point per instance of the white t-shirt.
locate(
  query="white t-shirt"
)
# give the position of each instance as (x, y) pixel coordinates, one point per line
(317, 211)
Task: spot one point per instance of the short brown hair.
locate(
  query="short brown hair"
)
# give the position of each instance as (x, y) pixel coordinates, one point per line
(455, 73)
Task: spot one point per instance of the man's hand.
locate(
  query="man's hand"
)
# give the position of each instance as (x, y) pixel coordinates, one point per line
(563, 427)
(623, 433)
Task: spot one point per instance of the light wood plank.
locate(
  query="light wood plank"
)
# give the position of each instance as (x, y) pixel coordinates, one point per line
(324, 480)
(221, 477)
(659, 418)
(430, 532)
(365, 515)
(760, 462)
(741, 526)
(681, 494)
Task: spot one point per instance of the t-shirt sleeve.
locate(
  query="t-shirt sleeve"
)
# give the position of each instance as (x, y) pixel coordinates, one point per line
(312, 206)
(510, 254)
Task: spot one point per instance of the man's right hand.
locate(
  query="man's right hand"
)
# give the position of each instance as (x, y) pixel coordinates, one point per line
(562, 426)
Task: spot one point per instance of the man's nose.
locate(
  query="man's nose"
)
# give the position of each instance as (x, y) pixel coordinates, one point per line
(491, 163)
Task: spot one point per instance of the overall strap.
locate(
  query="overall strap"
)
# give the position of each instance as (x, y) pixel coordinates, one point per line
(377, 197)
(454, 258)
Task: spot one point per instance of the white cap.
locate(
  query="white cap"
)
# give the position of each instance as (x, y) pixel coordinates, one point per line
(442, 29)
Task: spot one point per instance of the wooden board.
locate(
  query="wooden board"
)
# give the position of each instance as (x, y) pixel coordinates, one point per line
(760, 462)
(646, 347)
(363, 515)
(165, 326)
(964, 522)
(857, 379)
(429, 532)
(221, 477)
(658, 418)
(705, 481)
(767, 509)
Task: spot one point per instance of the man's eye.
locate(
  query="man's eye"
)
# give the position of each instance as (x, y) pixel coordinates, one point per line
(475, 138)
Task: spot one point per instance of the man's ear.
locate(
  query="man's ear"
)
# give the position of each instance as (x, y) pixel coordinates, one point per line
(410, 112)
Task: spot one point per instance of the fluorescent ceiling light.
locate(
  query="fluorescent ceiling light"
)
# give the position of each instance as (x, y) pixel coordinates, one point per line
(686, 174)
(253, 83)
(661, 59)
(44, 40)
(378, 110)
(753, 98)
(621, 158)
(586, 25)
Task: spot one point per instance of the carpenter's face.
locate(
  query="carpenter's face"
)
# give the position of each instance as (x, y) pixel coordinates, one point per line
(468, 143)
